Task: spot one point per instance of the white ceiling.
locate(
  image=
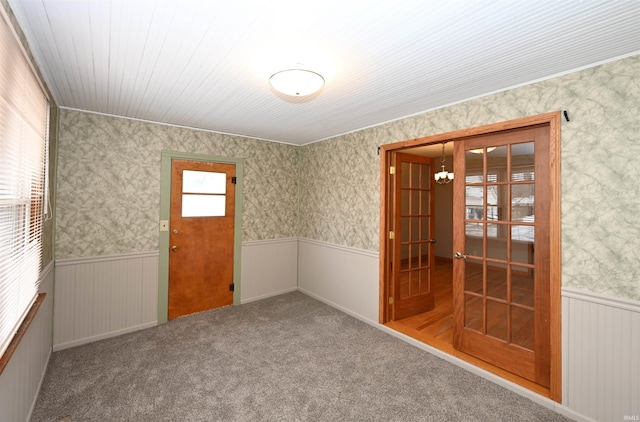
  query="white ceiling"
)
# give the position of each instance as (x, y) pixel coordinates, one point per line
(206, 63)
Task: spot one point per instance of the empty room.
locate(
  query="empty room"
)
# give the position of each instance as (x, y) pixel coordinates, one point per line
(297, 210)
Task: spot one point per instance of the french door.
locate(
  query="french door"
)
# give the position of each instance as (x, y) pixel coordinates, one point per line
(413, 244)
(502, 245)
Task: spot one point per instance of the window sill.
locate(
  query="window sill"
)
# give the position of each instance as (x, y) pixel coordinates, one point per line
(13, 346)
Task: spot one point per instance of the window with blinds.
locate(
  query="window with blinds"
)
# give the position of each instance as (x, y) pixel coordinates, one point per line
(24, 111)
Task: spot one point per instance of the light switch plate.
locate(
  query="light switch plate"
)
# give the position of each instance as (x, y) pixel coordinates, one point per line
(164, 225)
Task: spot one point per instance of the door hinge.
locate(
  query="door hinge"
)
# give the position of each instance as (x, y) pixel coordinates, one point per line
(232, 287)
(392, 170)
(392, 235)
(234, 180)
(390, 300)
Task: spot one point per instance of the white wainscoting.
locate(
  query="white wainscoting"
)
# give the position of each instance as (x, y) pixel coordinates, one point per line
(269, 268)
(601, 356)
(345, 278)
(101, 297)
(20, 381)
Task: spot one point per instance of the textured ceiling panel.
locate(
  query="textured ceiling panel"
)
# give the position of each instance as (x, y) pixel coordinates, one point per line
(206, 64)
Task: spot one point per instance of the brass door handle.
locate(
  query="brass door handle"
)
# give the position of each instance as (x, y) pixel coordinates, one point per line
(174, 248)
(459, 255)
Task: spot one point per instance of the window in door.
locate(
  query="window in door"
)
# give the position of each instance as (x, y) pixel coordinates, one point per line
(203, 194)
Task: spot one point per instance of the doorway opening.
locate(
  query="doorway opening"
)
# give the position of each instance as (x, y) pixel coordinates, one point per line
(498, 305)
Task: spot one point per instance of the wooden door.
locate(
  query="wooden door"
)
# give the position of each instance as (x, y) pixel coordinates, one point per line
(201, 236)
(414, 252)
(502, 242)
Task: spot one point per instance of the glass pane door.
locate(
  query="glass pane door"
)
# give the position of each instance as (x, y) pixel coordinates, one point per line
(413, 235)
(501, 237)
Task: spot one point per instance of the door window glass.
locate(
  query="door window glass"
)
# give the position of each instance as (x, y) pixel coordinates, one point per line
(203, 194)
(522, 202)
(204, 182)
(203, 205)
(496, 324)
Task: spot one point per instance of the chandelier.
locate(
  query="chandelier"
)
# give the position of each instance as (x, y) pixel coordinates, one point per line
(443, 177)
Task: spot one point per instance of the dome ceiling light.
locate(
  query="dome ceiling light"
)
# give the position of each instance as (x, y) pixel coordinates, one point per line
(296, 82)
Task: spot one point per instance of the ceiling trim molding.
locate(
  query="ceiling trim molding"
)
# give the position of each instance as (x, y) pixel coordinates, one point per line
(177, 126)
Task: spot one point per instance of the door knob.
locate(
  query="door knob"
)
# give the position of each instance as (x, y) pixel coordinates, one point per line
(432, 240)
(174, 248)
(459, 255)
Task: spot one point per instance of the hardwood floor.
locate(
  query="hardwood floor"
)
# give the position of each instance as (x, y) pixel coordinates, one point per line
(435, 327)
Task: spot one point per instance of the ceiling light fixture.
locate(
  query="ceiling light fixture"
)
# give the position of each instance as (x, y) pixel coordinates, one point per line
(443, 177)
(296, 82)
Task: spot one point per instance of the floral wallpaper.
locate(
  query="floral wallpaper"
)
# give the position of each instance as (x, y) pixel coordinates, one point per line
(600, 146)
(108, 190)
(340, 190)
(109, 176)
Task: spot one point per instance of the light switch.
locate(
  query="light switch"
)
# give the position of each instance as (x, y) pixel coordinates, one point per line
(164, 225)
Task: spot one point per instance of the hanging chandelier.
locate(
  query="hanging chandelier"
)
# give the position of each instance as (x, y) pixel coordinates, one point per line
(443, 177)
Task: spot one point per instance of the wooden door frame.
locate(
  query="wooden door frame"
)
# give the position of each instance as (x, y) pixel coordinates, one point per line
(555, 306)
(165, 206)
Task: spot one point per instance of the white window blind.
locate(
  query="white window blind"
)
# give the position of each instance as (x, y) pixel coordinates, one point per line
(24, 111)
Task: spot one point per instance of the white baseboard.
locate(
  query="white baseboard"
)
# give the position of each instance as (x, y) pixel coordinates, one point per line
(103, 336)
(278, 293)
(340, 308)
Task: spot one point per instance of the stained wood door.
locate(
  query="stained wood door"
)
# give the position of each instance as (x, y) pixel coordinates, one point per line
(414, 252)
(201, 236)
(501, 238)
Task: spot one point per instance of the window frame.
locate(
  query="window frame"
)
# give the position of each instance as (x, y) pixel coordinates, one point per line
(24, 186)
